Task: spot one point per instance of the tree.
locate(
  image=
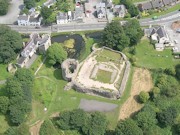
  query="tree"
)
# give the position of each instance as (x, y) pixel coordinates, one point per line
(29, 3)
(63, 5)
(96, 124)
(133, 30)
(146, 119)
(64, 121)
(47, 15)
(10, 44)
(21, 130)
(170, 71)
(4, 104)
(167, 116)
(133, 10)
(128, 127)
(177, 69)
(114, 36)
(143, 97)
(4, 5)
(56, 54)
(77, 119)
(11, 131)
(156, 130)
(155, 92)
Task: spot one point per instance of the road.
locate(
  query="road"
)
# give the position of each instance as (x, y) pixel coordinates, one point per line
(171, 17)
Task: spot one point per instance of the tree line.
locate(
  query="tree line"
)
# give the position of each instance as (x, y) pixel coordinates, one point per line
(16, 102)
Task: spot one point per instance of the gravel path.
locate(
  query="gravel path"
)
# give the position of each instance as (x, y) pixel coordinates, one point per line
(93, 105)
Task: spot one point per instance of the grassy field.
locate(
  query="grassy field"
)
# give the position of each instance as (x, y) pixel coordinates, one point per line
(103, 76)
(4, 125)
(147, 57)
(171, 9)
(60, 100)
(4, 73)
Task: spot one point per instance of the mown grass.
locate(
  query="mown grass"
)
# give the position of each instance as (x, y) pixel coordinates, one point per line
(3, 124)
(103, 76)
(147, 57)
(4, 74)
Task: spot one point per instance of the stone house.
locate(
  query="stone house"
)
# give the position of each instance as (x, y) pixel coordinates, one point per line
(145, 6)
(35, 43)
(62, 18)
(119, 10)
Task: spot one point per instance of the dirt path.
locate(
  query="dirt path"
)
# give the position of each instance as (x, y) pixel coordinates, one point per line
(34, 129)
(142, 81)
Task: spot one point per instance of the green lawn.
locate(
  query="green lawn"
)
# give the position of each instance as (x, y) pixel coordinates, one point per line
(171, 9)
(36, 63)
(3, 124)
(103, 76)
(147, 57)
(62, 100)
(4, 74)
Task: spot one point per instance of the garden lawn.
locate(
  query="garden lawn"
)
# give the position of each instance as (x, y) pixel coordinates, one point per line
(4, 74)
(103, 76)
(148, 57)
(3, 124)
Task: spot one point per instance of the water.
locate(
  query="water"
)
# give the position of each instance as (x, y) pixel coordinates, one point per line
(95, 35)
(78, 46)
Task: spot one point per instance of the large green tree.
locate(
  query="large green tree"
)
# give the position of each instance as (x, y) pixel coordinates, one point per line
(95, 125)
(114, 36)
(128, 127)
(10, 44)
(29, 3)
(4, 5)
(133, 30)
(56, 54)
(4, 104)
(47, 128)
(47, 14)
(63, 5)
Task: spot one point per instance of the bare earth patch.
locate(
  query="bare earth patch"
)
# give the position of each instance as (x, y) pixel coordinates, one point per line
(175, 25)
(34, 129)
(142, 81)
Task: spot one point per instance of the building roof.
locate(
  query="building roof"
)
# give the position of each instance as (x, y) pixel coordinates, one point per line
(167, 2)
(119, 8)
(23, 17)
(62, 16)
(161, 32)
(157, 3)
(43, 40)
(35, 19)
(101, 11)
(30, 45)
(158, 45)
(100, 5)
(49, 2)
(78, 12)
(21, 60)
(147, 6)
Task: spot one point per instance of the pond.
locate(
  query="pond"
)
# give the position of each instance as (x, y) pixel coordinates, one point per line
(95, 35)
(78, 45)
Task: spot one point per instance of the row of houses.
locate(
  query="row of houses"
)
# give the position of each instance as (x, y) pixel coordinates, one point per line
(156, 4)
(35, 43)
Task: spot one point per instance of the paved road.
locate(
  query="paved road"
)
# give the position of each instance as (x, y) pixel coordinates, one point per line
(14, 10)
(94, 26)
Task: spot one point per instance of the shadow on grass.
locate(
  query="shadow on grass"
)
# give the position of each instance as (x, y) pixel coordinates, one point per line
(58, 74)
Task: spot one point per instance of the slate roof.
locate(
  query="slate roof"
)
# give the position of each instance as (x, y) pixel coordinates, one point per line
(160, 31)
(167, 2)
(23, 17)
(157, 3)
(100, 5)
(147, 6)
(62, 16)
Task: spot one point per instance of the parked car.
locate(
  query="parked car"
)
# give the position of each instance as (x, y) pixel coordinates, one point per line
(155, 17)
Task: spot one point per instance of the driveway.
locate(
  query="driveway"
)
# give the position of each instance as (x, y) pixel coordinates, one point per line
(12, 15)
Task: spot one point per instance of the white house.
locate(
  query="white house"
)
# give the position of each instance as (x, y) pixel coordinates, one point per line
(62, 18)
(29, 20)
(101, 11)
(119, 10)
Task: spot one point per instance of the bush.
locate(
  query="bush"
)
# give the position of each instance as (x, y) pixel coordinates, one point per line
(143, 97)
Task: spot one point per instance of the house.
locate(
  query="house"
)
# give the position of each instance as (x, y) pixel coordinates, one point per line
(119, 10)
(35, 42)
(33, 18)
(62, 18)
(101, 11)
(49, 3)
(78, 14)
(145, 6)
(159, 34)
(109, 4)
